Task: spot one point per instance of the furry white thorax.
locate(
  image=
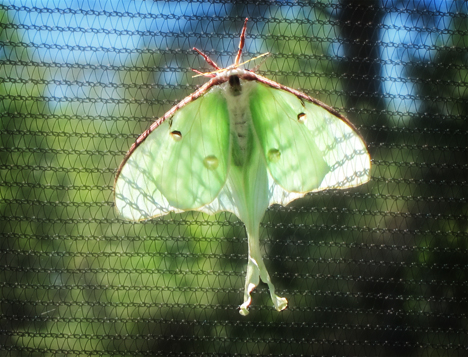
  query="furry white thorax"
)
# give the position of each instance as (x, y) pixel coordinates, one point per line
(239, 110)
(231, 72)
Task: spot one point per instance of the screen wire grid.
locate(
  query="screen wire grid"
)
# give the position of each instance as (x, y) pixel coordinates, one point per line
(380, 269)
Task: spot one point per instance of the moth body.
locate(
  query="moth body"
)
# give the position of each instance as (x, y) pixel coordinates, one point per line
(236, 93)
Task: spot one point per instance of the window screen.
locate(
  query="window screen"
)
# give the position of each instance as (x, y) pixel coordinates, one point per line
(380, 269)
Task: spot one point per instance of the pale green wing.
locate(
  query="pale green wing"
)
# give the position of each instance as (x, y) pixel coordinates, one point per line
(181, 165)
(306, 148)
(342, 148)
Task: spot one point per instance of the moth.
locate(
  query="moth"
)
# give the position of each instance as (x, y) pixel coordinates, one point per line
(240, 143)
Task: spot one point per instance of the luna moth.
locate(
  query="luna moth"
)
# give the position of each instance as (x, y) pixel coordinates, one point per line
(240, 143)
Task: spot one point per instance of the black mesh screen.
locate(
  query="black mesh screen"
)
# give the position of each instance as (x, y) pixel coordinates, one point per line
(380, 269)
